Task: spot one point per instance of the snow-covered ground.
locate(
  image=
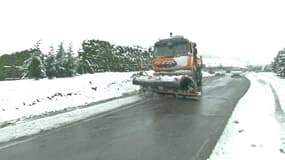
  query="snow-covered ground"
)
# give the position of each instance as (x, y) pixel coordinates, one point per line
(32, 127)
(256, 129)
(25, 103)
(24, 99)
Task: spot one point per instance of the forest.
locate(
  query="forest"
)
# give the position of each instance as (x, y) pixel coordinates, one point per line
(93, 56)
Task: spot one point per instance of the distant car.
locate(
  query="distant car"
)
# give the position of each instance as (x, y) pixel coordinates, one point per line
(236, 74)
(220, 73)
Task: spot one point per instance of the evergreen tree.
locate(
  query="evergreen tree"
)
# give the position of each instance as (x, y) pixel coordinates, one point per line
(60, 61)
(280, 63)
(51, 64)
(95, 56)
(11, 65)
(70, 62)
(84, 65)
(34, 67)
(104, 56)
(99, 54)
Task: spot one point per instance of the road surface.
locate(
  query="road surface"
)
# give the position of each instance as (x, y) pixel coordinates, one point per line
(155, 128)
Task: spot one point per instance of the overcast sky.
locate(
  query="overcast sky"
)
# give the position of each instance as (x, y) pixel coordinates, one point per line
(249, 29)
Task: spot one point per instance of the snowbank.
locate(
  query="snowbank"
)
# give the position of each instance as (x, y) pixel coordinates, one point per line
(256, 129)
(25, 99)
(278, 83)
(28, 128)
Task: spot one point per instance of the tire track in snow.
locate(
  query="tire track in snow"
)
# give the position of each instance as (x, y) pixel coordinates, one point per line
(278, 109)
(280, 114)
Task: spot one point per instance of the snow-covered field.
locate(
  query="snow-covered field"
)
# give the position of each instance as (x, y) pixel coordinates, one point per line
(256, 129)
(25, 103)
(24, 99)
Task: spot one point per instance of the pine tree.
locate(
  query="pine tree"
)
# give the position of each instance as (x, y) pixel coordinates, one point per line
(70, 62)
(51, 64)
(84, 65)
(11, 65)
(34, 67)
(60, 60)
(280, 63)
(97, 55)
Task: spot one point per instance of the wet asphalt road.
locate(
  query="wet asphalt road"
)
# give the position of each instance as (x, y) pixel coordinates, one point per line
(155, 128)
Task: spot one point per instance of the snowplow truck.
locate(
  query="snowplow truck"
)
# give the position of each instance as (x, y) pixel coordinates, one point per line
(177, 69)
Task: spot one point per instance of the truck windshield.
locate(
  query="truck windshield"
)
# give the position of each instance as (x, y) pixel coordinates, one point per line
(171, 51)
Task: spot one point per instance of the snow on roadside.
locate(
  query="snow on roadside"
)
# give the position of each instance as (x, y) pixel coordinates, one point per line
(278, 83)
(36, 126)
(24, 99)
(256, 130)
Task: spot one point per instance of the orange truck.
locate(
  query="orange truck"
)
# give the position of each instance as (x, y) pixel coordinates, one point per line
(177, 69)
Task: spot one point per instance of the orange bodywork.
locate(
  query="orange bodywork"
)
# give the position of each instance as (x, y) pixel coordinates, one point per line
(158, 60)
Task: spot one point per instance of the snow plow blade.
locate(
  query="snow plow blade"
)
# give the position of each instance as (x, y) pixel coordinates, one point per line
(183, 86)
(156, 84)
